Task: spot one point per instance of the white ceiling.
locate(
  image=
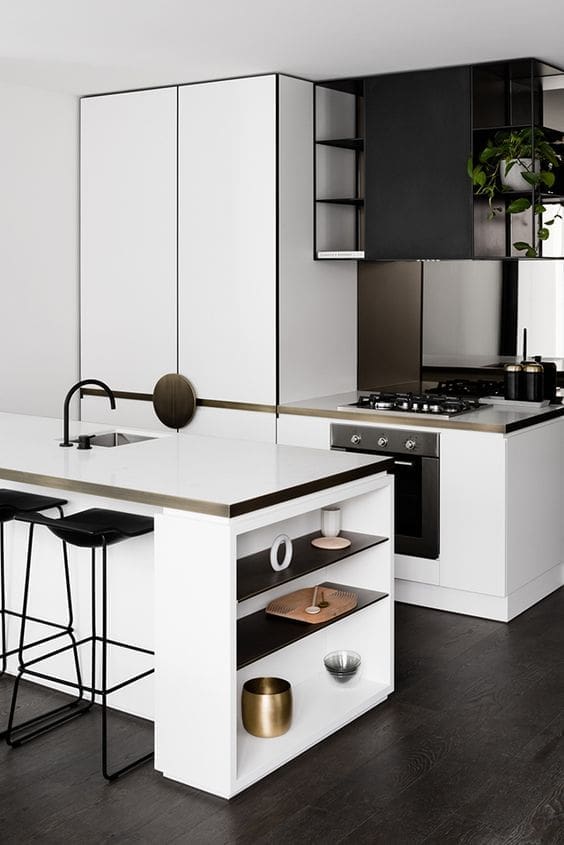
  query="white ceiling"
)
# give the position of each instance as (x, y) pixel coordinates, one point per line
(88, 46)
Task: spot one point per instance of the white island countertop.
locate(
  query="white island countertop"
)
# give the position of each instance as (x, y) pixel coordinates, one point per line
(209, 475)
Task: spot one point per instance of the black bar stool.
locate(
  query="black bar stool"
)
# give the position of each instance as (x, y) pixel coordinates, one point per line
(14, 503)
(94, 528)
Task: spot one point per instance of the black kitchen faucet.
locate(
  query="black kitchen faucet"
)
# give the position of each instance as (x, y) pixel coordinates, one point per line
(68, 397)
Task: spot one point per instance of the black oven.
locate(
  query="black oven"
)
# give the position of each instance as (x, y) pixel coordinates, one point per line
(416, 469)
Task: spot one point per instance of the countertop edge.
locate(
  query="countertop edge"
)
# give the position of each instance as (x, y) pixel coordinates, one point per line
(553, 413)
(196, 505)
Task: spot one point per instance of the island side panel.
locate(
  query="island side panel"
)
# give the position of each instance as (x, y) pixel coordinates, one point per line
(535, 498)
(195, 602)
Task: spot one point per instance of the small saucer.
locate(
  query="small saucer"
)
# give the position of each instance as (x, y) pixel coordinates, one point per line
(331, 542)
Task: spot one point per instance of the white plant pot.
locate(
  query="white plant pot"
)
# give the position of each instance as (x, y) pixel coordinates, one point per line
(513, 180)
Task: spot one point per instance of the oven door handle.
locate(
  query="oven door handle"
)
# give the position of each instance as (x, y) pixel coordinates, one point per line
(404, 463)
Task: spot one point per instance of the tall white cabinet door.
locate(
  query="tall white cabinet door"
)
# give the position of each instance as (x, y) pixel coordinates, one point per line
(227, 239)
(128, 238)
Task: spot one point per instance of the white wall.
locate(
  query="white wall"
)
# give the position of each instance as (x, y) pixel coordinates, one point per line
(541, 308)
(38, 249)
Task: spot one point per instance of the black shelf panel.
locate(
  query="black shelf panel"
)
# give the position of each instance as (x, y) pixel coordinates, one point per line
(344, 143)
(256, 576)
(549, 134)
(539, 196)
(259, 635)
(344, 201)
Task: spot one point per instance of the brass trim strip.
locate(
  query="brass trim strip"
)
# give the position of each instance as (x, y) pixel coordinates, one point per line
(119, 394)
(237, 406)
(382, 419)
(123, 493)
(204, 403)
(195, 505)
(388, 418)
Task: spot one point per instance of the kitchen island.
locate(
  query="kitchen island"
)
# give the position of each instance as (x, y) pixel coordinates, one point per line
(205, 575)
(501, 493)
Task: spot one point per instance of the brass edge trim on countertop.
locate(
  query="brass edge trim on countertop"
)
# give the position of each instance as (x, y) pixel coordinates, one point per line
(424, 423)
(307, 487)
(122, 493)
(195, 505)
(204, 403)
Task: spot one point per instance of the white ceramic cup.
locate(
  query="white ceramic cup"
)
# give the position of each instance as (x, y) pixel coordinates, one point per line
(330, 522)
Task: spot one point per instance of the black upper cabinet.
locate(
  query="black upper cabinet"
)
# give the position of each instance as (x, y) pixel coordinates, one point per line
(391, 164)
(418, 136)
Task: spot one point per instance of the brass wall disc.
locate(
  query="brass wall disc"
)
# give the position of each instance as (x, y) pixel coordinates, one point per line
(174, 400)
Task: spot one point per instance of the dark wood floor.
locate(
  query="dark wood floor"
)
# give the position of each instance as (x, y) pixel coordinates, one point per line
(470, 749)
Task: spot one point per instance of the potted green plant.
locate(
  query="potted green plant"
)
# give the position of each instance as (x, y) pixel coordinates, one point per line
(517, 161)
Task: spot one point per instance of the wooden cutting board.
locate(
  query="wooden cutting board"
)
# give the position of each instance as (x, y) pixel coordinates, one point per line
(293, 605)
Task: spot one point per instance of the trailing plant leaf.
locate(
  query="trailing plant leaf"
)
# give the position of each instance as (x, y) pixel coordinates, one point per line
(531, 178)
(518, 205)
(547, 177)
(519, 148)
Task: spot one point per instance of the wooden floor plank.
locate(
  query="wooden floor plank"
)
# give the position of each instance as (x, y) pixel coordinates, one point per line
(469, 749)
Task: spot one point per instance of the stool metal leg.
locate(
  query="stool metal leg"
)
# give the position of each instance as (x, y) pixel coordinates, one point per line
(3, 602)
(48, 718)
(110, 776)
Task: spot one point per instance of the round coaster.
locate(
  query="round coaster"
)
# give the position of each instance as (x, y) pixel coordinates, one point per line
(331, 542)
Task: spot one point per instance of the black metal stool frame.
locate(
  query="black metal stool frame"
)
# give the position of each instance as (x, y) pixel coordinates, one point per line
(62, 630)
(104, 691)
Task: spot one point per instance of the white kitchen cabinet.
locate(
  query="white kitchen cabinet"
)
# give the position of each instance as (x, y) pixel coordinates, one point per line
(133, 413)
(128, 238)
(230, 422)
(501, 527)
(227, 238)
(218, 177)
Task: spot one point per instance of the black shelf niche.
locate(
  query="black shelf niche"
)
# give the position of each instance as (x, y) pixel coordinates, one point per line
(357, 201)
(344, 143)
(259, 635)
(256, 576)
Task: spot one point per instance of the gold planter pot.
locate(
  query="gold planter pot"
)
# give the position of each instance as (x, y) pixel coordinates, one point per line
(266, 706)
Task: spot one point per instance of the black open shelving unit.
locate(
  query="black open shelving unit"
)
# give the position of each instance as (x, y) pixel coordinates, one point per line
(259, 635)
(256, 576)
(356, 144)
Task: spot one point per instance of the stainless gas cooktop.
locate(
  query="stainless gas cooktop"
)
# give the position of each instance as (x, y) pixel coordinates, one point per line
(413, 405)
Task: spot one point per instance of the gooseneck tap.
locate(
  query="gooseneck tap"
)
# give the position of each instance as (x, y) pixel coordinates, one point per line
(68, 397)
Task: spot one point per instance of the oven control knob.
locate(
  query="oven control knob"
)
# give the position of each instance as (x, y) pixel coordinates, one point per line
(410, 444)
(356, 439)
(382, 442)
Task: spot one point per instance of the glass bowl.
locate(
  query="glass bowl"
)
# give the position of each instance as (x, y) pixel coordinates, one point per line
(342, 665)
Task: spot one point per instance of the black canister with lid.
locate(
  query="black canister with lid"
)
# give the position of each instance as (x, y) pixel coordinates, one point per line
(533, 381)
(513, 381)
(549, 373)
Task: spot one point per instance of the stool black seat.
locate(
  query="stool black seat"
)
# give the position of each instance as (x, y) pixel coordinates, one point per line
(12, 504)
(95, 528)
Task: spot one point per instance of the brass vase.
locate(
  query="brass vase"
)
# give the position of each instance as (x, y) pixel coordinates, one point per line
(266, 706)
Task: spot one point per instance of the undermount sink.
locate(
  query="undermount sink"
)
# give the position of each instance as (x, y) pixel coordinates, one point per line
(117, 438)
